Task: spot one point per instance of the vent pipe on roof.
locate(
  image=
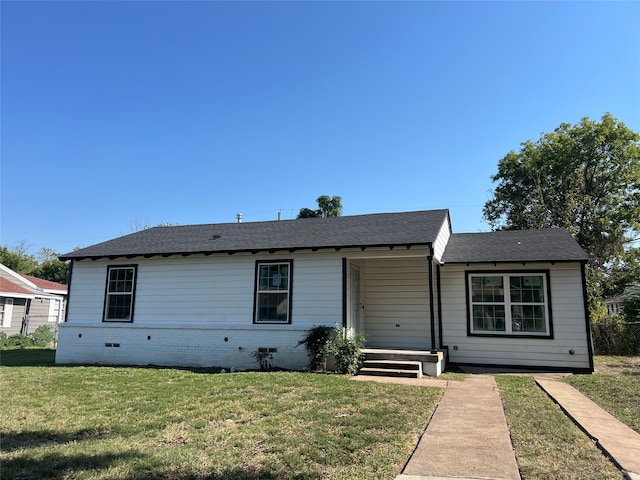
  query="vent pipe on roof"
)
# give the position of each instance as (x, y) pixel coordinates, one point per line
(279, 214)
(239, 217)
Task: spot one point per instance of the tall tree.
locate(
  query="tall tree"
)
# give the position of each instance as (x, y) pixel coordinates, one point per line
(583, 177)
(327, 207)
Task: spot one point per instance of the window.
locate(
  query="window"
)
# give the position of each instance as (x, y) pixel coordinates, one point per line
(6, 310)
(513, 303)
(273, 292)
(120, 292)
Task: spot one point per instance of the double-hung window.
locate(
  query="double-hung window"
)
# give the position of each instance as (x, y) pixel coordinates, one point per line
(120, 293)
(509, 303)
(273, 291)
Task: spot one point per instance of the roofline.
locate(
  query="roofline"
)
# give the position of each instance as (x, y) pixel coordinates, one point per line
(476, 262)
(17, 295)
(253, 251)
(18, 276)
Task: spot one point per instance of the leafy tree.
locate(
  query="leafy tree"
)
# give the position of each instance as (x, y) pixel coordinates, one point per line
(53, 270)
(18, 259)
(45, 265)
(624, 270)
(327, 207)
(583, 177)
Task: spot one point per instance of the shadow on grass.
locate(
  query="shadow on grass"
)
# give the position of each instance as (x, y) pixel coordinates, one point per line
(27, 357)
(10, 442)
(141, 467)
(45, 357)
(56, 466)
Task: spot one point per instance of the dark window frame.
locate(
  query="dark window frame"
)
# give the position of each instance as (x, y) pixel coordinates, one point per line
(132, 293)
(508, 273)
(256, 291)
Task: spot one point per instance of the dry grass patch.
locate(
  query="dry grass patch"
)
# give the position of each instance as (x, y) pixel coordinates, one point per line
(112, 422)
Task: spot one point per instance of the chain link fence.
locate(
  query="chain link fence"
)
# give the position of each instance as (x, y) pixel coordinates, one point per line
(616, 338)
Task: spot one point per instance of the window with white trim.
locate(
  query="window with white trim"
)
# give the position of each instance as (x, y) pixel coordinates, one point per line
(120, 293)
(273, 292)
(509, 304)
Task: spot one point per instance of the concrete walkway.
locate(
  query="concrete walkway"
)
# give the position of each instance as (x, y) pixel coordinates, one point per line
(619, 441)
(467, 437)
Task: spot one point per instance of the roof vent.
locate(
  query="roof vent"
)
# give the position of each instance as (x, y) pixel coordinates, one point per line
(215, 237)
(239, 217)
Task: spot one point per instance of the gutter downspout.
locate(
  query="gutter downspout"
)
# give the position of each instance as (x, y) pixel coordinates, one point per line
(431, 306)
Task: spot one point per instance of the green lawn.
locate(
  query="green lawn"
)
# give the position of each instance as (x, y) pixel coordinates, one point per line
(86, 422)
(547, 444)
(615, 386)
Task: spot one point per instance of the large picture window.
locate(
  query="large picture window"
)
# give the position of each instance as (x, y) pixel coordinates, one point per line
(510, 303)
(120, 293)
(273, 292)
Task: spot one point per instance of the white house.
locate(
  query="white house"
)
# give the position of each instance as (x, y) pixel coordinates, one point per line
(210, 295)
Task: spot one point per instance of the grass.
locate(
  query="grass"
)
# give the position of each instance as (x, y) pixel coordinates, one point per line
(547, 444)
(89, 422)
(615, 386)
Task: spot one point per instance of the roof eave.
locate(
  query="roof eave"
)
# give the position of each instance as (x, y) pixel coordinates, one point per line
(245, 250)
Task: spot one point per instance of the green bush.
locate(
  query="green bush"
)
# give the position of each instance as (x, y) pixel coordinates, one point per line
(317, 344)
(347, 351)
(43, 336)
(631, 308)
(323, 341)
(19, 340)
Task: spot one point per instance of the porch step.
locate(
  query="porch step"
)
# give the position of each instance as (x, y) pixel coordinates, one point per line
(401, 363)
(392, 368)
(388, 372)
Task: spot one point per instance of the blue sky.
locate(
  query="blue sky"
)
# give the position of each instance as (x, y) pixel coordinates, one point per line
(116, 113)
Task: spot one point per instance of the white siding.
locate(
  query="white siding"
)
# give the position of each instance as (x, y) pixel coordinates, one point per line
(396, 299)
(441, 240)
(189, 305)
(567, 315)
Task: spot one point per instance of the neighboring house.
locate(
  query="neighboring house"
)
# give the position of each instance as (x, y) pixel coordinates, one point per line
(210, 295)
(614, 304)
(27, 302)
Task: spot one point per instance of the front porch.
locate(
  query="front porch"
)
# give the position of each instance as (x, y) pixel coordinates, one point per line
(403, 363)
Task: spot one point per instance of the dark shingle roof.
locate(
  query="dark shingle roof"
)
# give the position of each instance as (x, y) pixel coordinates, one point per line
(545, 245)
(383, 229)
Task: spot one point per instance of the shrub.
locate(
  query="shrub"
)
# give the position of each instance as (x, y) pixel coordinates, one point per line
(263, 356)
(631, 308)
(19, 340)
(323, 341)
(317, 344)
(43, 336)
(347, 351)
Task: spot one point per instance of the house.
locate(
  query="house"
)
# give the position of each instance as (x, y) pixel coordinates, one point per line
(210, 295)
(614, 304)
(26, 302)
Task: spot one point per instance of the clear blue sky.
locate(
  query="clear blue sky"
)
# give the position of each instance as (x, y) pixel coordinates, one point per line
(190, 112)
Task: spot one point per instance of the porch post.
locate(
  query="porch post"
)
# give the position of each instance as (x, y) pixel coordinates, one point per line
(431, 307)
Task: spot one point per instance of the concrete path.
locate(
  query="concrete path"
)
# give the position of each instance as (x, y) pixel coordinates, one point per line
(467, 437)
(619, 441)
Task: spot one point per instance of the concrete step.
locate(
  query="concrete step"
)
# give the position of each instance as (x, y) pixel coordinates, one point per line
(393, 364)
(402, 355)
(390, 372)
